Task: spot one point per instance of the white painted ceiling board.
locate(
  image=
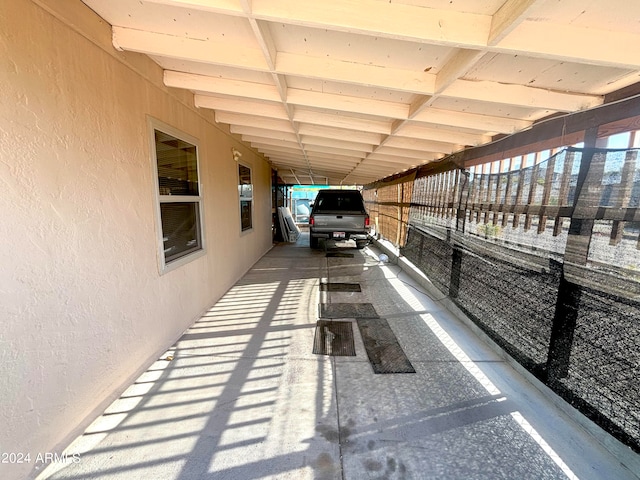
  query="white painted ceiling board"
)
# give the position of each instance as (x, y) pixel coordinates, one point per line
(391, 83)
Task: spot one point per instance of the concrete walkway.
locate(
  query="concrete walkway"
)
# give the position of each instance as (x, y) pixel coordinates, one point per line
(242, 396)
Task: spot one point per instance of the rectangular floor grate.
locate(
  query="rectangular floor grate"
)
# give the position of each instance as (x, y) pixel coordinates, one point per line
(340, 254)
(334, 338)
(347, 310)
(340, 287)
(384, 352)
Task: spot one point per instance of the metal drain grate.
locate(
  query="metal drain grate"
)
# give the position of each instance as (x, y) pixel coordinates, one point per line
(340, 287)
(340, 254)
(347, 310)
(334, 338)
(384, 352)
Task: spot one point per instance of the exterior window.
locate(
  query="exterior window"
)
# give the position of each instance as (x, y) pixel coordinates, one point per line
(245, 190)
(180, 208)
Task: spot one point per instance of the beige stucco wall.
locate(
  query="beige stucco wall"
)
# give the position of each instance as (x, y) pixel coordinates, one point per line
(83, 307)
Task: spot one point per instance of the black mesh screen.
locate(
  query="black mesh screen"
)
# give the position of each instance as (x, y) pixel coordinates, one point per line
(431, 255)
(514, 304)
(546, 260)
(605, 362)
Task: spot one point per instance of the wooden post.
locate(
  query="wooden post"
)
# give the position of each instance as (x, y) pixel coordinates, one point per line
(473, 194)
(463, 204)
(588, 192)
(532, 193)
(564, 189)
(423, 199)
(429, 196)
(507, 196)
(400, 192)
(479, 203)
(440, 177)
(576, 254)
(446, 212)
(455, 196)
(498, 201)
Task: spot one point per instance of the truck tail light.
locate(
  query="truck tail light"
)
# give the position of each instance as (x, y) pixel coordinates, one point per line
(311, 221)
(366, 221)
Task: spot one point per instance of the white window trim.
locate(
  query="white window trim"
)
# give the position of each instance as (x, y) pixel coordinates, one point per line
(163, 266)
(250, 229)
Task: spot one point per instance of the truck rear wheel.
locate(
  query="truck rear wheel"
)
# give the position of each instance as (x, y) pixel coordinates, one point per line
(313, 242)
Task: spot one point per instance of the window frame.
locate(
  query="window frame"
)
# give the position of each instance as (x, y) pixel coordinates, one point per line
(248, 229)
(165, 266)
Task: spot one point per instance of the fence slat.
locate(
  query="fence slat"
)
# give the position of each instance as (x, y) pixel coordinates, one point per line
(546, 193)
(519, 194)
(624, 194)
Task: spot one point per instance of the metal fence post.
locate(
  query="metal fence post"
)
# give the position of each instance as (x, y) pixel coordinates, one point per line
(456, 267)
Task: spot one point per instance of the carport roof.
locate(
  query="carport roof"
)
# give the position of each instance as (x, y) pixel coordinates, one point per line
(350, 91)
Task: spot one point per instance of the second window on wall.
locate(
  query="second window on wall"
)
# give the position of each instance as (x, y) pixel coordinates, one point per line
(245, 190)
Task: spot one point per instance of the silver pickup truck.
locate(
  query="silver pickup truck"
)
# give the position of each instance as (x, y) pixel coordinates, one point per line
(339, 215)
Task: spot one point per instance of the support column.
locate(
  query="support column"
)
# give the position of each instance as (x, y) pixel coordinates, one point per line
(562, 331)
(456, 267)
(576, 254)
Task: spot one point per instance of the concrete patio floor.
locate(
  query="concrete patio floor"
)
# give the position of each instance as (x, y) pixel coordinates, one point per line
(241, 395)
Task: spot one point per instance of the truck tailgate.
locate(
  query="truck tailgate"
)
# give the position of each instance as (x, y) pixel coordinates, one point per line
(327, 222)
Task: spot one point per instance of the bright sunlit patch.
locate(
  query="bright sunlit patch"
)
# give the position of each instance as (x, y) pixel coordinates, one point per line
(113, 416)
(415, 303)
(526, 426)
